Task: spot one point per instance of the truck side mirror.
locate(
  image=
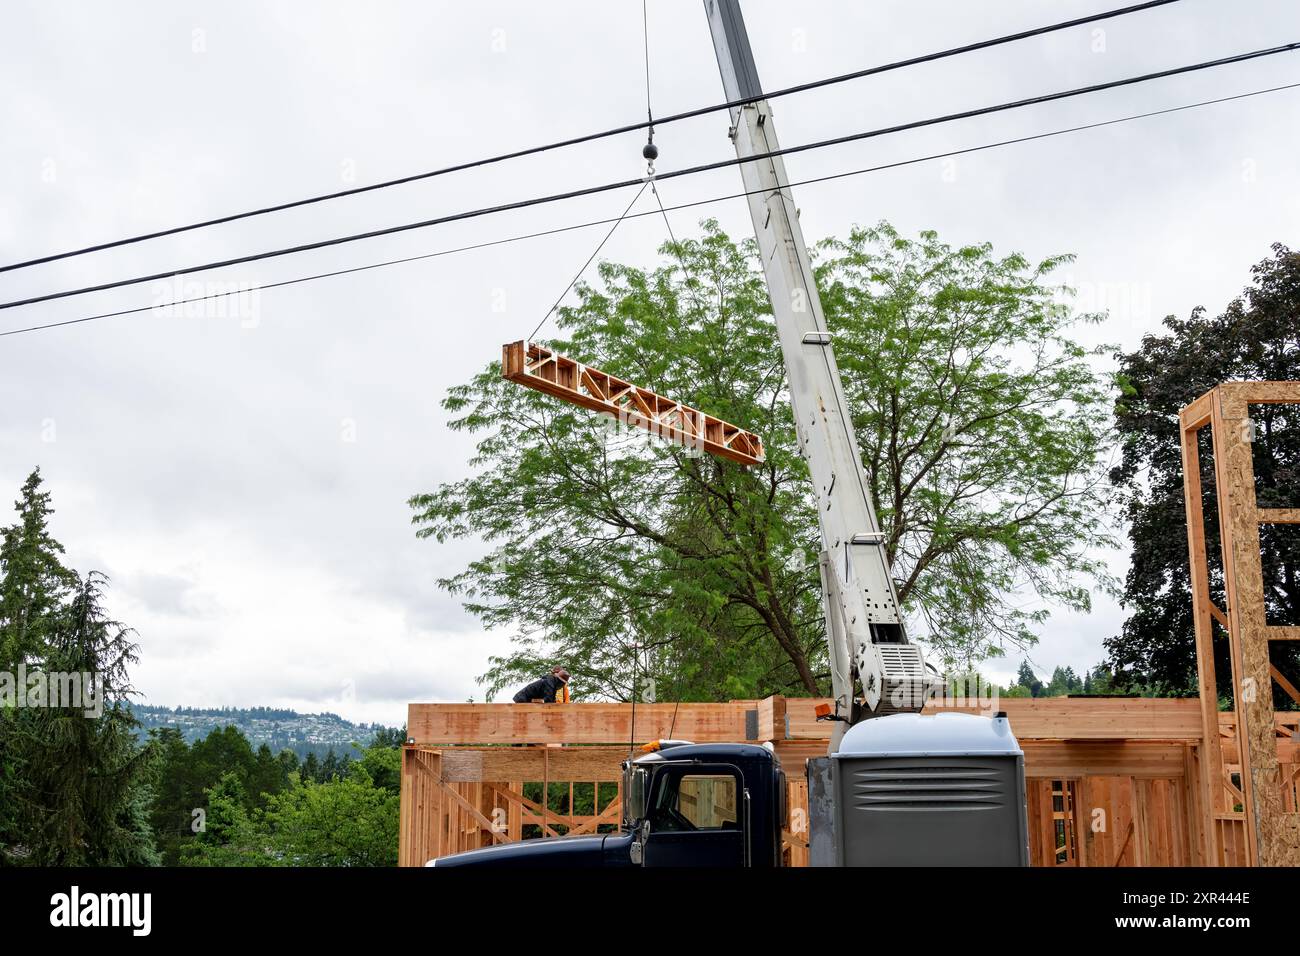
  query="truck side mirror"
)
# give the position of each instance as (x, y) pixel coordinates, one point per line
(636, 852)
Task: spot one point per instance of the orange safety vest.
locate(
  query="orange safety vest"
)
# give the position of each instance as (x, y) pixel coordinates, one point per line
(562, 697)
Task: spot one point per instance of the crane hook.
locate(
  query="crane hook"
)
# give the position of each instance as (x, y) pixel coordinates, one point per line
(650, 152)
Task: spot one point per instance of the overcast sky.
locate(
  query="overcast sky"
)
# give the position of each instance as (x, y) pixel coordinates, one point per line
(243, 478)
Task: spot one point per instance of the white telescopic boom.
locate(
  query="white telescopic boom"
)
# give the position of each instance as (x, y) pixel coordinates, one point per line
(864, 627)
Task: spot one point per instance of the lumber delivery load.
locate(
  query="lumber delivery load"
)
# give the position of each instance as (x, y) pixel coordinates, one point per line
(538, 367)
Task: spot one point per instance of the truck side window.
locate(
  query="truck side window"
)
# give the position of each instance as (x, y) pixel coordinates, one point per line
(697, 801)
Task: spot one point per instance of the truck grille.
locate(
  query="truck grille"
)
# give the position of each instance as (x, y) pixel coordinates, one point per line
(927, 788)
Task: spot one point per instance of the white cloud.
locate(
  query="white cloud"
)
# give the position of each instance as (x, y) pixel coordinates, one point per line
(265, 559)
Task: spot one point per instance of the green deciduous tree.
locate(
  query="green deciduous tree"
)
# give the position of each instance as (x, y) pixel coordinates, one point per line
(983, 426)
(350, 820)
(979, 419)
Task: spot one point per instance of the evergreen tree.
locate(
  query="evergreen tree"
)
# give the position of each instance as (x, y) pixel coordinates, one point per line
(265, 779)
(172, 811)
(310, 769)
(86, 777)
(34, 583)
(288, 761)
(393, 737)
(1026, 678)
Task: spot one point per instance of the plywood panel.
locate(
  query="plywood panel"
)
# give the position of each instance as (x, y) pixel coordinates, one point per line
(1272, 835)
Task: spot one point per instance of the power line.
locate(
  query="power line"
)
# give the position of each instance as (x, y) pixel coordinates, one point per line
(662, 209)
(592, 137)
(688, 171)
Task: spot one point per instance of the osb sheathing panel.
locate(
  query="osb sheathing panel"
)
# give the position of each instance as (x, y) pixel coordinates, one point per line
(1272, 833)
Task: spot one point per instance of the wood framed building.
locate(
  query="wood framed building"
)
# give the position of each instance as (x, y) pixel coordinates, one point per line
(1110, 781)
(1256, 776)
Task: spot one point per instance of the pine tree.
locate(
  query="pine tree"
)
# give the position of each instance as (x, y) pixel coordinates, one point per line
(87, 778)
(33, 580)
(265, 779)
(1026, 678)
(288, 761)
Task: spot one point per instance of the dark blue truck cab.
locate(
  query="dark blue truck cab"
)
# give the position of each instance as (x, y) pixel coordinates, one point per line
(683, 805)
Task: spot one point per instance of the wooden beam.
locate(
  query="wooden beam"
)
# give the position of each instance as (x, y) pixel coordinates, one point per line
(601, 764)
(437, 724)
(1057, 718)
(1217, 614)
(611, 814)
(545, 816)
(545, 370)
(1231, 787)
(1061, 760)
(1285, 684)
(1281, 632)
(1197, 414)
(1209, 796)
(1124, 846)
(429, 765)
(473, 811)
(771, 719)
(1237, 395)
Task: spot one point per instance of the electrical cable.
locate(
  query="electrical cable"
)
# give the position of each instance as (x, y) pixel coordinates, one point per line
(688, 171)
(688, 205)
(592, 137)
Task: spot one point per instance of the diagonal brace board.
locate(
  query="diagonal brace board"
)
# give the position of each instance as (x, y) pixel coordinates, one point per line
(545, 370)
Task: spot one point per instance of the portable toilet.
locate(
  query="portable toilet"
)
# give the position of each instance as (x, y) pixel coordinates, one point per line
(944, 789)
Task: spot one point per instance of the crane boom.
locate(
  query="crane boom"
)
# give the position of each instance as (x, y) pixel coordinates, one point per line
(874, 669)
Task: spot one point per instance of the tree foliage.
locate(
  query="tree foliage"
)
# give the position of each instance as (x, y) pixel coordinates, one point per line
(80, 788)
(350, 820)
(34, 583)
(1257, 337)
(81, 792)
(979, 420)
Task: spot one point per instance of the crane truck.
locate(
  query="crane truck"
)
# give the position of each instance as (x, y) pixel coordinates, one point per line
(898, 787)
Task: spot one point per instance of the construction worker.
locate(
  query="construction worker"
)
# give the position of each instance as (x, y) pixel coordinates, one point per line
(551, 689)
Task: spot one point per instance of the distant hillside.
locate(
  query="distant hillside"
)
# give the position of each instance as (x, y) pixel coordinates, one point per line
(279, 729)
